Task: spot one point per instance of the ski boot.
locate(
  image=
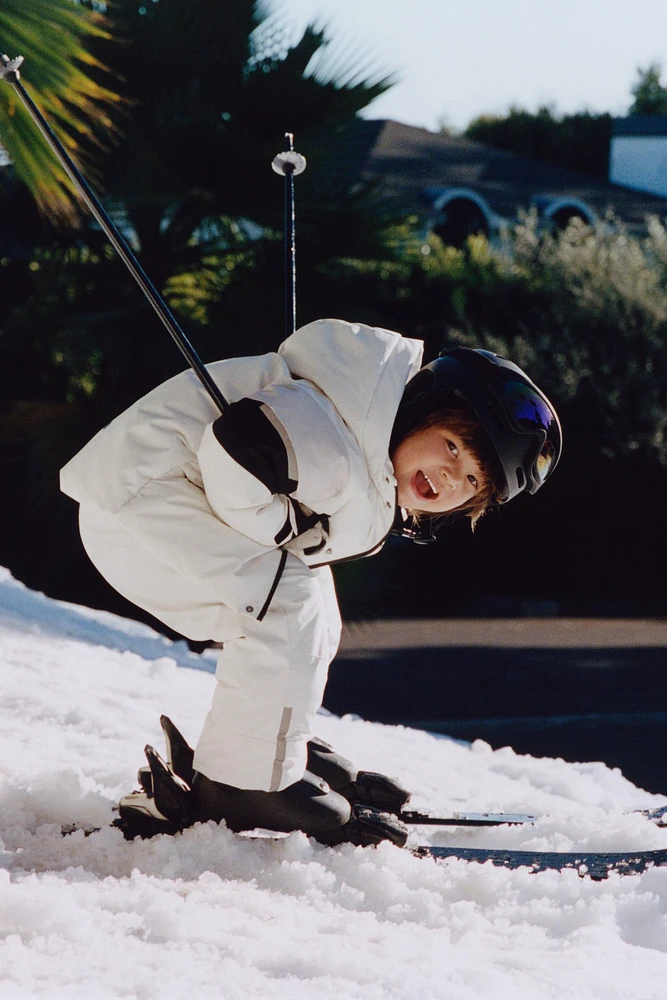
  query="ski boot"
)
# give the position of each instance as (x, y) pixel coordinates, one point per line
(363, 788)
(161, 805)
(173, 796)
(308, 805)
(333, 802)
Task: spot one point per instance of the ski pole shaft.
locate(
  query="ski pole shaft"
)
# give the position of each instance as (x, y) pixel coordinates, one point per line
(9, 71)
(290, 242)
(290, 164)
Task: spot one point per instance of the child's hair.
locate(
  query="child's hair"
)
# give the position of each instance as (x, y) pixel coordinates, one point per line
(457, 416)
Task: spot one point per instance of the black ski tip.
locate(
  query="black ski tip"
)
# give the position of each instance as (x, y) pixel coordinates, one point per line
(172, 795)
(179, 753)
(133, 823)
(153, 757)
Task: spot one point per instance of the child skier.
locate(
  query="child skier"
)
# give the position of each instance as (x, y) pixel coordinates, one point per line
(223, 527)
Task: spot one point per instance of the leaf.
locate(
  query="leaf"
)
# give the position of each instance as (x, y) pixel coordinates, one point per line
(61, 76)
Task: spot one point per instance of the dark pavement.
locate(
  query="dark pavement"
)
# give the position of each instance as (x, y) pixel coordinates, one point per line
(581, 689)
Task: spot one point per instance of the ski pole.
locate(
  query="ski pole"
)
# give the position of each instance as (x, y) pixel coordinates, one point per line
(290, 165)
(9, 71)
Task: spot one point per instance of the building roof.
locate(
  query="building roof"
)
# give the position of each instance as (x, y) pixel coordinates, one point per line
(413, 164)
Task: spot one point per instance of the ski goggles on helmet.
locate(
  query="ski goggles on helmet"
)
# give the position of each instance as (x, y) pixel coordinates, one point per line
(530, 413)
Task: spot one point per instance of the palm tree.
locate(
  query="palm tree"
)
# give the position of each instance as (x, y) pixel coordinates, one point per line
(212, 87)
(53, 35)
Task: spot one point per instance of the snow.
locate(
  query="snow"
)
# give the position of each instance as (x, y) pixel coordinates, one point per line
(208, 914)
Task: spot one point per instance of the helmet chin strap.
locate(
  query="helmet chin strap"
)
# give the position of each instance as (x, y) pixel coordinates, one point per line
(420, 531)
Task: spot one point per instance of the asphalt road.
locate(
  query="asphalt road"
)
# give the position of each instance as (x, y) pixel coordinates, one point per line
(581, 689)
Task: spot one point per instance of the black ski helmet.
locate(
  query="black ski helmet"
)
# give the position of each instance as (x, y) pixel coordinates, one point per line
(521, 424)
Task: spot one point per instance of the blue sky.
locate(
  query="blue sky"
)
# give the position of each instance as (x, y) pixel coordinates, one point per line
(460, 58)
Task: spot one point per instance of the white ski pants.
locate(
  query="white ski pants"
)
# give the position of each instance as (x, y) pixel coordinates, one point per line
(270, 684)
(270, 676)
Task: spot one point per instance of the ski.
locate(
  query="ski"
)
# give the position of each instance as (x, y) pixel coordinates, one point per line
(469, 819)
(594, 865)
(474, 819)
(416, 818)
(588, 864)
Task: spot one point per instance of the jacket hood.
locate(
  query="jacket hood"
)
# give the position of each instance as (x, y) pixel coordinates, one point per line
(362, 369)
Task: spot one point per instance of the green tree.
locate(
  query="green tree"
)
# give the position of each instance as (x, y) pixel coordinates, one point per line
(574, 142)
(53, 36)
(650, 97)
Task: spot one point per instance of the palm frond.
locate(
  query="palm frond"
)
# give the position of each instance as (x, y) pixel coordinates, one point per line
(350, 66)
(335, 82)
(60, 73)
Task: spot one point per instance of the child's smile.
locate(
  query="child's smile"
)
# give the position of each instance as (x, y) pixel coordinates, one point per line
(435, 471)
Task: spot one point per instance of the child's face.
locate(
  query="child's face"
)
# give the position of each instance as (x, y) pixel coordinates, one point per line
(435, 472)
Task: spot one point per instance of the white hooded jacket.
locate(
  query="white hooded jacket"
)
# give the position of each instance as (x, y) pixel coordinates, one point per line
(331, 392)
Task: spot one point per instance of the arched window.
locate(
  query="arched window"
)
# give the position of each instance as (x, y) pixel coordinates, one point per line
(563, 217)
(460, 217)
(559, 212)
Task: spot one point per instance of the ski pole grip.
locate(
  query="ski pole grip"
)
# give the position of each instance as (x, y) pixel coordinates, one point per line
(10, 66)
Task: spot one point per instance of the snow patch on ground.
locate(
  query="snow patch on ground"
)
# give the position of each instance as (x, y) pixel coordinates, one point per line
(24, 610)
(208, 914)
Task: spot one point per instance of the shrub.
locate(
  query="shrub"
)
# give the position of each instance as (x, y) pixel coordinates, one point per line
(585, 311)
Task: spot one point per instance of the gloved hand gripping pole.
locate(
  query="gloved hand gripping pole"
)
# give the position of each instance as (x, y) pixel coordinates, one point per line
(9, 71)
(289, 164)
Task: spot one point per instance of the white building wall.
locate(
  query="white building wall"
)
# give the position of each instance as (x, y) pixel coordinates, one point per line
(639, 162)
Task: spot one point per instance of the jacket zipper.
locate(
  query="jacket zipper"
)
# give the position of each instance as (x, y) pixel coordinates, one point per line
(358, 555)
(274, 585)
(333, 562)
